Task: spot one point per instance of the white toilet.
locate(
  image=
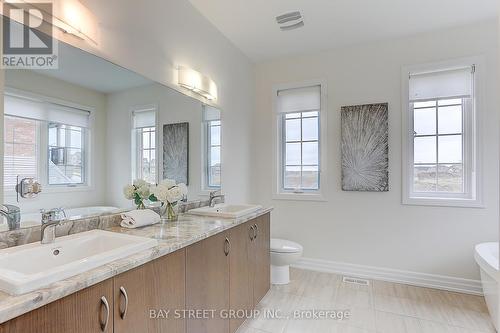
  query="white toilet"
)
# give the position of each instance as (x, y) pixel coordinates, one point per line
(283, 253)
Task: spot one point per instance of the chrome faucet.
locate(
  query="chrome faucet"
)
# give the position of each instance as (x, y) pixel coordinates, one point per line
(50, 219)
(13, 216)
(214, 195)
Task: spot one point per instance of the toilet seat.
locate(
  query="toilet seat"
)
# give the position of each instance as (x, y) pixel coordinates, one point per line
(284, 246)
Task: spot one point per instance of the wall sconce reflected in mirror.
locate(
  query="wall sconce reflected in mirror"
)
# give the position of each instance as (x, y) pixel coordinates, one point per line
(197, 82)
(74, 18)
(70, 16)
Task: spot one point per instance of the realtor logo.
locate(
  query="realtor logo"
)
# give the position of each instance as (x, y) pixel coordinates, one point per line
(27, 36)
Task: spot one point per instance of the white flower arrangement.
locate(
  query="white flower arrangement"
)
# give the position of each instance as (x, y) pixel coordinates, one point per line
(139, 191)
(167, 191)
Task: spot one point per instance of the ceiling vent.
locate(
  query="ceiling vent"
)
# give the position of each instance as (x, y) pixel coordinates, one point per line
(290, 21)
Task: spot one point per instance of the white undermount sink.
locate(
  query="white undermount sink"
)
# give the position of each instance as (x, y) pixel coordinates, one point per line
(226, 210)
(33, 266)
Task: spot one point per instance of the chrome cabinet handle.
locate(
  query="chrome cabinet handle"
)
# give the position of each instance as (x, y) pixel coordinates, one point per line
(252, 233)
(104, 324)
(123, 292)
(227, 246)
(256, 231)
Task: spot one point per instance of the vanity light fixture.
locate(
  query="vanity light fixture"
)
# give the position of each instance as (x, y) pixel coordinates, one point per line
(195, 81)
(72, 17)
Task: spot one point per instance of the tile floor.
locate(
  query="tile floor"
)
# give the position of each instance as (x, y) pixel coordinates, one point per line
(381, 307)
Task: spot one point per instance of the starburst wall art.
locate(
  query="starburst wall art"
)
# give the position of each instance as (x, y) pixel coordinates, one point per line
(365, 148)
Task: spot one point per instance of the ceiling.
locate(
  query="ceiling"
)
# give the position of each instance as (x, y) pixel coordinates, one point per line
(89, 71)
(251, 25)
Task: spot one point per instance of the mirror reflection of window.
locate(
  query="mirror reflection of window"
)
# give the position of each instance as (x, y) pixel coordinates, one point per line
(144, 144)
(38, 130)
(212, 141)
(20, 150)
(66, 157)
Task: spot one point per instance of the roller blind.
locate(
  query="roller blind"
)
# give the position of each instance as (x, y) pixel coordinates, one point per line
(442, 84)
(144, 118)
(17, 106)
(299, 99)
(210, 113)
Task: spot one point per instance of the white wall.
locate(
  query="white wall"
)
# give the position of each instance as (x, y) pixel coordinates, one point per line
(32, 82)
(173, 107)
(375, 228)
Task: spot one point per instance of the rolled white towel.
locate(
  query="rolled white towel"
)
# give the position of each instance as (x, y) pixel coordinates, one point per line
(139, 218)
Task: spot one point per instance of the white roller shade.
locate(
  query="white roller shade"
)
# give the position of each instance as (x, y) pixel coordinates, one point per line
(299, 99)
(144, 118)
(442, 84)
(67, 115)
(24, 108)
(31, 109)
(210, 113)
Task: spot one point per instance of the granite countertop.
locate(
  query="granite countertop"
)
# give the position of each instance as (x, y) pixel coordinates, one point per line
(171, 236)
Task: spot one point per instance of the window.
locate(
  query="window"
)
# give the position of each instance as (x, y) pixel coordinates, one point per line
(441, 154)
(21, 150)
(438, 146)
(212, 143)
(39, 130)
(299, 119)
(66, 154)
(301, 154)
(147, 154)
(144, 136)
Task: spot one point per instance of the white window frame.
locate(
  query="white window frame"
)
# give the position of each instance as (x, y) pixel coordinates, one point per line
(278, 193)
(206, 145)
(140, 150)
(43, 171)
(472, 138)
(137, 147)
(45, 138)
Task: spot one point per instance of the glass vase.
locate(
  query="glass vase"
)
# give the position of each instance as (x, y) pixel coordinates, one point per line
(170, 212)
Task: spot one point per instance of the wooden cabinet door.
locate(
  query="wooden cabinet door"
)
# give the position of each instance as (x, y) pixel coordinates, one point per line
(207, 284)
(130, 308)
(157, 285)
(262, 268)
(240, 264)
(81, 312)
(165, 290)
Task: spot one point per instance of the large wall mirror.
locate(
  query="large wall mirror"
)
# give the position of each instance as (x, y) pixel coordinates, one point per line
(85, 130)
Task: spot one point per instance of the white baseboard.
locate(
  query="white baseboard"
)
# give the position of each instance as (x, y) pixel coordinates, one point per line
(392, 275)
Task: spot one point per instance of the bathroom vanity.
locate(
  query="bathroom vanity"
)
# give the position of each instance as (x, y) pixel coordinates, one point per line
(200, 264)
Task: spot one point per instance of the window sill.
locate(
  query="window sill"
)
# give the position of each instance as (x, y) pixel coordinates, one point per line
(444, 202)
(299, 196)
(65, 189)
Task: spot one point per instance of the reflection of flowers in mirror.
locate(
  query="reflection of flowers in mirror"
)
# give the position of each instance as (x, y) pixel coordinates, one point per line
(138, 191)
